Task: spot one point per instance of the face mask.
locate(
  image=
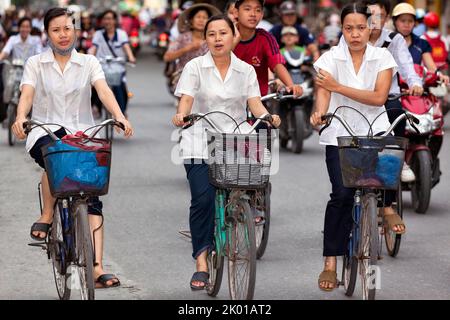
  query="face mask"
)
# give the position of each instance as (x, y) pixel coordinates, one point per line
(62, 52)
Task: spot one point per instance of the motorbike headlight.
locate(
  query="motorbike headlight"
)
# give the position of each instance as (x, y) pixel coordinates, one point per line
(426, 124)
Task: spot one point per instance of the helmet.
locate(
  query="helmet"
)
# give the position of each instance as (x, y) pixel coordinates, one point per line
(420, 13)
(432, 20)
(403, 8)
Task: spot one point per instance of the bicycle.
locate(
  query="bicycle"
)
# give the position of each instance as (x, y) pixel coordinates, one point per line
(69, 243)
(112, 67)
(12, 92)
(370, 164)
(260, 200)
(239, 164)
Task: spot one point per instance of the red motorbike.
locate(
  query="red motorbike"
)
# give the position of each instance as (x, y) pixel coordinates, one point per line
(424, 144)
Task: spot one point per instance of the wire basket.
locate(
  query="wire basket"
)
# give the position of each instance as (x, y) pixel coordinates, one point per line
(239, 161)
(11, 80)
(73, 170)
(373, 163)
(113, 74)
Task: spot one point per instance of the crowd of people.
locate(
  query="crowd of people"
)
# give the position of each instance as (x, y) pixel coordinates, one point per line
(224, 61)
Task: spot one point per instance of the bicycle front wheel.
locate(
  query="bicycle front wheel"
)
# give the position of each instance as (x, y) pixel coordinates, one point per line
(12, 110)
(58, 255)
(84, 261)
(242, 253)
(368, 249)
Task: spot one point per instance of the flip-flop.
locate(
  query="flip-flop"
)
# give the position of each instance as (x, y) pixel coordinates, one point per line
(330, 277)
(103, 281)
(39, 227)
(393, 220)
(199, 277)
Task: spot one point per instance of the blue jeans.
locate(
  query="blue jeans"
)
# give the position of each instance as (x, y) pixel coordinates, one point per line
(121, 94)
(202, 210)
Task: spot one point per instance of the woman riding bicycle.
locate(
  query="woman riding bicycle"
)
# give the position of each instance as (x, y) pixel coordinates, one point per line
(404, 16)
(56, 86)
(113, 42)
(364, 76)
(217, 81)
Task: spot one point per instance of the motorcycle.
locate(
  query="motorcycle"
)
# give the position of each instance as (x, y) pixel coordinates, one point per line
(424, 146)
(135, 42)
(295, 113)
(162, 44)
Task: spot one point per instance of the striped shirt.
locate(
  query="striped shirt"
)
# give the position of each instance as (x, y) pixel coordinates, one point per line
(263, 53)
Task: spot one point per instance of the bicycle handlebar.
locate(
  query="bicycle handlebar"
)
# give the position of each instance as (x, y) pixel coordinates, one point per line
(118, 60)
(330, 116)
(396, 96)
(191, 119)
(32, 124)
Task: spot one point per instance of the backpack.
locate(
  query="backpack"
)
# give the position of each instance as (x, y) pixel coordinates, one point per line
(439, 52)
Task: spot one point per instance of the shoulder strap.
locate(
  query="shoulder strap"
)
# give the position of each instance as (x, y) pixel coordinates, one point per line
(388, 43)
(105, 36)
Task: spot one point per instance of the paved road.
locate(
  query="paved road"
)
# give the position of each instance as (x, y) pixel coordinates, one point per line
(148, 204)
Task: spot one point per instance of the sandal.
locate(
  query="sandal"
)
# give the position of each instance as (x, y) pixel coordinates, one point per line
(393, 220)
(200, 277)
(103, 281)
(40, 227)
(330, 277)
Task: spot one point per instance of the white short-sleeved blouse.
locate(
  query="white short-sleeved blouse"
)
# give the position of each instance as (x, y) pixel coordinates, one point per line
(202, 81)
(61, 98)
(338, 63)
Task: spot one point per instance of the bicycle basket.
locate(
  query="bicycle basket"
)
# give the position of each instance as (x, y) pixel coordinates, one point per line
(78, 166)
(113, 74)
(239, 160)
(11, 81)
(374, 163)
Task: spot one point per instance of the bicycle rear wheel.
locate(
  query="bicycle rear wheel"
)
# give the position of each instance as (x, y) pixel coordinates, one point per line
(262, 231)
(58, 255)
(368, 248)
(84, 254)
(242, 253)
(393, 240)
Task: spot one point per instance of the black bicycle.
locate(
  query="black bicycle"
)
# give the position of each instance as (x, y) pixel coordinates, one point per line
(78, 167)
(369, 164)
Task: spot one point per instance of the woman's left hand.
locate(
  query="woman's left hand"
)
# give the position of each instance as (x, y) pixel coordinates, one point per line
(128, 132)
(325, 80)
(276, 120)
(445, 79)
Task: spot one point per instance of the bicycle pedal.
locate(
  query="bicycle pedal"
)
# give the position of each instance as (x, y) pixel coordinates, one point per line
(41, 245)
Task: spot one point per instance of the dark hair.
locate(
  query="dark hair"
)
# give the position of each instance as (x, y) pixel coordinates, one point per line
(355, 8)
(24, 19)
(239, 2)
(107, 12)
(197, 10)
(218, 18)
(55, 13)
(386, 4)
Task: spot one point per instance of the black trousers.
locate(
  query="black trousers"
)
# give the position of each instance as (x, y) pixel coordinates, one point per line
(338, 214)
(394, 110)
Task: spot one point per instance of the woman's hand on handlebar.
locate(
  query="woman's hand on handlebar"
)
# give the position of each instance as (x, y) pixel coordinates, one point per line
(317, 119)
(276, 121)
(416, 91)
(178, 119)
(128, 129)
(18, 128)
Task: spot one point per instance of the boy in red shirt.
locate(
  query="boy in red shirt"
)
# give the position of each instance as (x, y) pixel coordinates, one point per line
(259, 48)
